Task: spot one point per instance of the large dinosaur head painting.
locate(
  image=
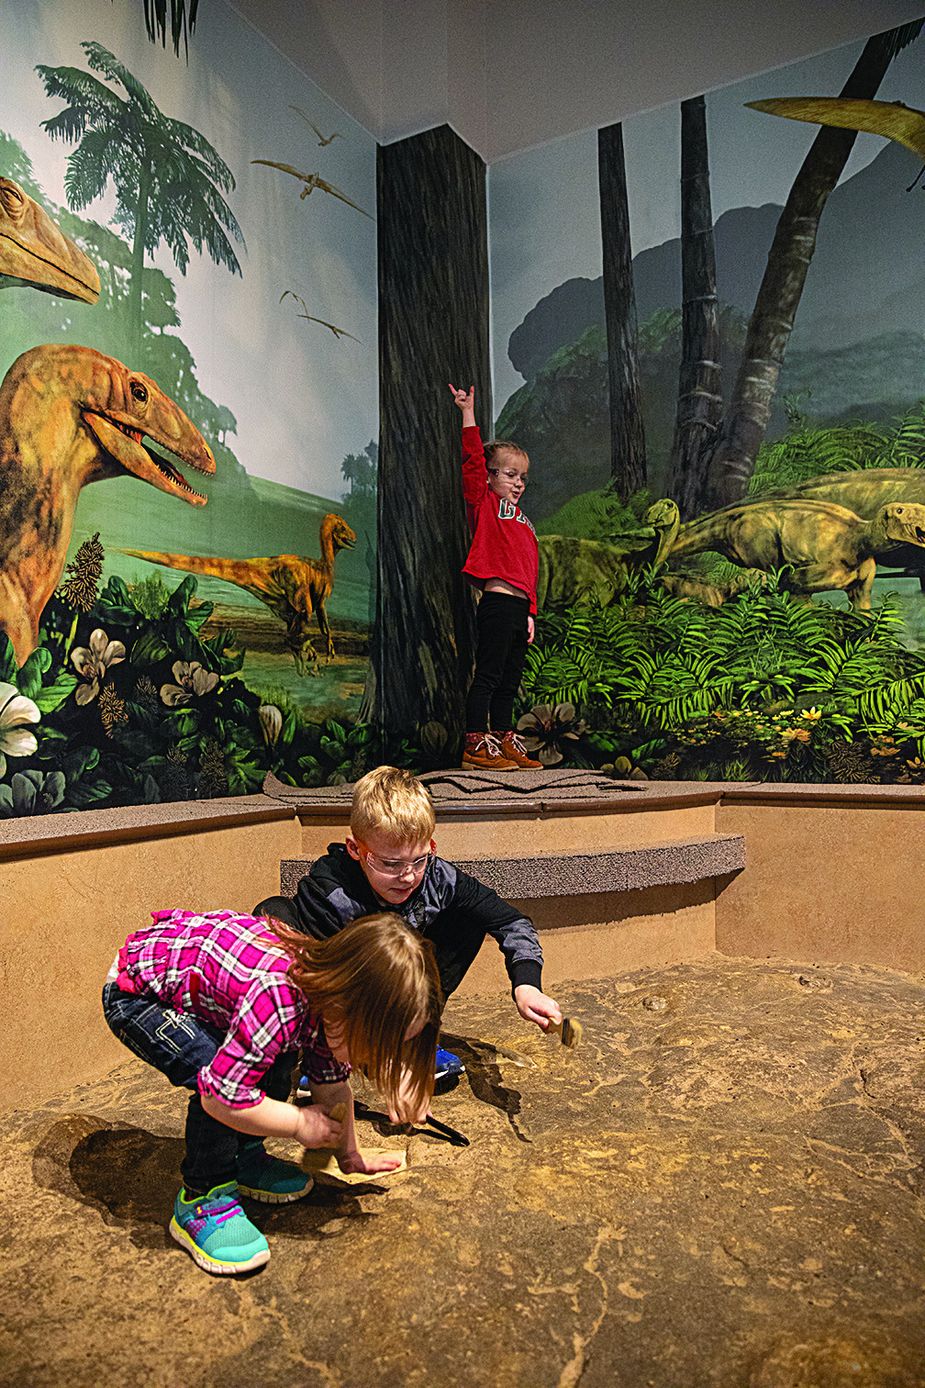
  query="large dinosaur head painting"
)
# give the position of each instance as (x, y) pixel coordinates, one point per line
(34, 251)
(68, 416)
(122, 409)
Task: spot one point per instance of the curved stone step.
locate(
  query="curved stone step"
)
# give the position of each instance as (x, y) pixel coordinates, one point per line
(532, 877)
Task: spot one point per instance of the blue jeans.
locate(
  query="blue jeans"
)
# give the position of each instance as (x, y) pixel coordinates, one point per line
(180, 1045)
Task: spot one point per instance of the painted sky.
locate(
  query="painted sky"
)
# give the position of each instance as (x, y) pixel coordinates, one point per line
(302, 398)
(545, 213)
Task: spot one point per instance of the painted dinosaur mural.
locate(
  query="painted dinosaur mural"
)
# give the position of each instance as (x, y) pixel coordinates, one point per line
(34, 251)
(68, 416)
(291, 585)
(826, 547)
(864, 491)
(572, 570)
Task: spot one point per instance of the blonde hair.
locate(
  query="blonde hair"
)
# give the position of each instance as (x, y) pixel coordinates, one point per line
(393, 802)
(495, 450)
(373, 980)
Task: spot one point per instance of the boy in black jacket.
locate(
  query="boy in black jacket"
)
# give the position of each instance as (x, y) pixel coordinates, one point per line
(389, 860)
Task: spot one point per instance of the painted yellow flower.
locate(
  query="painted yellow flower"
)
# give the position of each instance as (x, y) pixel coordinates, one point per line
(811, 714)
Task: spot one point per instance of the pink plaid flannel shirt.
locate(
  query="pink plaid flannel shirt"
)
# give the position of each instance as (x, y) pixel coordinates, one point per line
(229, 971)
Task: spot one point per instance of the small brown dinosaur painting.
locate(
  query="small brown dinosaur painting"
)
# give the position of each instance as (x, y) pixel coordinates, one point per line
(292, 586)
(69, 416)
(35, 252)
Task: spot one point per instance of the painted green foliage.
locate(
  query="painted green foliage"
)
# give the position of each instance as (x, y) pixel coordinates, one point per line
(763, 687)
(126, 700)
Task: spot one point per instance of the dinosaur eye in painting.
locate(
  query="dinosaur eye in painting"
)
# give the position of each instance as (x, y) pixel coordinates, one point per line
(11, 198)
(139, 392)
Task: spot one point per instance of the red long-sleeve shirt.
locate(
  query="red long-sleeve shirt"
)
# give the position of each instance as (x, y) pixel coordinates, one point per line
(503, 540)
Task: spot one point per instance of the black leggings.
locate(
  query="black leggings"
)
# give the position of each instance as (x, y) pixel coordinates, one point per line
(499, 662)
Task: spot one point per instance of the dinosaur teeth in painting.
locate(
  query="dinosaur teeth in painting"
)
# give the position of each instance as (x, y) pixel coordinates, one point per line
(163, 464)
(168, 469)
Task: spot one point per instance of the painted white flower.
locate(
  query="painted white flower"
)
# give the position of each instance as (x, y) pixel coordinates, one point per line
(192, 681)
(91, 663)
(16, 712)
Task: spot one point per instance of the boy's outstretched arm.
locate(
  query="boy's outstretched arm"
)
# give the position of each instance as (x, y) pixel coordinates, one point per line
(519, 943)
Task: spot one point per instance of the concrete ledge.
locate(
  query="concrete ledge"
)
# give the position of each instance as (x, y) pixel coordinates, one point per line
(574, 874)
(53, 833)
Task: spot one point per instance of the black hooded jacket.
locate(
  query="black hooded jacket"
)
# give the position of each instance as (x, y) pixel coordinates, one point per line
(336, 891)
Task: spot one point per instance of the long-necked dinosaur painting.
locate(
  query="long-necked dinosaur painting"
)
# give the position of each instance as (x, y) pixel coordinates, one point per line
(291, 585)
(35, 252)
(68, 416)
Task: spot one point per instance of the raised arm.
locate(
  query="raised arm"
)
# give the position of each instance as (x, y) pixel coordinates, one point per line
(475, 475)
(465, 401)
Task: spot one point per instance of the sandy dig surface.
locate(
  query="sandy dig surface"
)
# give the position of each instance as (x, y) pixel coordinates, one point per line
(722, 1186)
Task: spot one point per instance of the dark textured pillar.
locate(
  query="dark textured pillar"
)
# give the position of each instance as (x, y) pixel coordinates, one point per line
(433, 329)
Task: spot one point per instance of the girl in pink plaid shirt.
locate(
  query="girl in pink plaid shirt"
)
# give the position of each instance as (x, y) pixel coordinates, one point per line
(222, 1003)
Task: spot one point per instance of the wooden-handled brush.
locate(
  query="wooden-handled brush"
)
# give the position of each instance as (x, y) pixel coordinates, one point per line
(568, 1031)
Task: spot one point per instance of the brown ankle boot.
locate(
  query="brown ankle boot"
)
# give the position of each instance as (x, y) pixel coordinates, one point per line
(482, 752)
(513, 749)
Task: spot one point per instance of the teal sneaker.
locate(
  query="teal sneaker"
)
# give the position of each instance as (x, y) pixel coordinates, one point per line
(268, 1179)
(216, 1232)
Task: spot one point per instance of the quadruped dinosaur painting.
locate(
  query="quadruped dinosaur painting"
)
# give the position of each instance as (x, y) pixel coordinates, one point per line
(187, 461)
(710, 339)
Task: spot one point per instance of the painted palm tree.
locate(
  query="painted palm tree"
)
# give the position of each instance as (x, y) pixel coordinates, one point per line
(182, 20)
(168, 178)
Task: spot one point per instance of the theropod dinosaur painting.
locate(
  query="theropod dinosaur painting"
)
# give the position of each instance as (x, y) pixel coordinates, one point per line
(35, 252)
(68, 416)
(291, 585)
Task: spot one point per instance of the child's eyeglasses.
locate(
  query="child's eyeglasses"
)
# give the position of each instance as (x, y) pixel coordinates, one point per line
(508, 475)
(397, 867)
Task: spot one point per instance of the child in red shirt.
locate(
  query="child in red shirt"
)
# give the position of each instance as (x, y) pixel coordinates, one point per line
(503, 562)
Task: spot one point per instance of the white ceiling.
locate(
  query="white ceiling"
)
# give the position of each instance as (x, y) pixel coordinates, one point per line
(510, 74)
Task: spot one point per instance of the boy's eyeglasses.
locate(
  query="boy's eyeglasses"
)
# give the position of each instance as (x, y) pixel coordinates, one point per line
(397, 867)
(508, 475)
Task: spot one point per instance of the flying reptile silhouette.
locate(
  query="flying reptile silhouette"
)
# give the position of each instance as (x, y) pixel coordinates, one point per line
(338, 332)
(322, 139)
(891, 119)
(312, 181)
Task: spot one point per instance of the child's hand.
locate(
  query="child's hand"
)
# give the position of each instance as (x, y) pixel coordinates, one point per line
(316, 1128)
(534, 1006)
(408, 1116)
(367, 1166)
(531, 630)
(464, 400)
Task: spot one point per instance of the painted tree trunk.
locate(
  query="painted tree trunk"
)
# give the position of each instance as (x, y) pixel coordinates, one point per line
(627, 433)
(700, 402)
(433, 329)
(736, 449)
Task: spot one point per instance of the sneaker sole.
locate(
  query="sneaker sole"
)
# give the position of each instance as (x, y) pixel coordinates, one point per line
(442, 1074)
(272, 1197)
(488, 766)
(214, 1265)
